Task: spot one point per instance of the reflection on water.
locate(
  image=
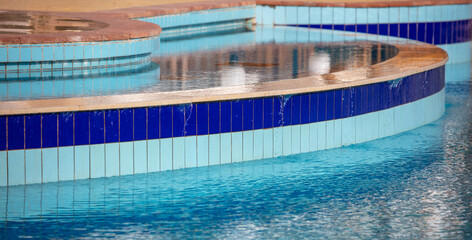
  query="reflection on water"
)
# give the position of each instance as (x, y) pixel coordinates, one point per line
(416, 185)
(30, 22)
(231, 59)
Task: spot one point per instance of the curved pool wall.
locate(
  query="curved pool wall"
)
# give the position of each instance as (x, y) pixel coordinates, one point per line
(447, 26)
(49, 147)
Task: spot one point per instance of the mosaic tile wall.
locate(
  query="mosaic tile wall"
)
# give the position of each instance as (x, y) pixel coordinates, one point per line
(76, 145)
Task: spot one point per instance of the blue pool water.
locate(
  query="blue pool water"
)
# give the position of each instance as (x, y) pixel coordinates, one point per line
(413, 185)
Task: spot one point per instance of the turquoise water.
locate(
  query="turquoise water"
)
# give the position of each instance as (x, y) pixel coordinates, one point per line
(409, 186)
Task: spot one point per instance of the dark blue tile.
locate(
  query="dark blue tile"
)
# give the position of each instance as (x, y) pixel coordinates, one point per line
(455, 26)
(412, 28)
(66, 129)
(140, 124)
(191, 120)
(126, 125)
(394, 29)
(384, 95)
(315, 26)
(314, 97)
(97, 129)
(375, 97)
(338, 104)
(153, 122)
(430, 33)
(268, 112)
(346, 98)
(3, 133)
(359, 98)
(450, 32)
(32, 131)
(444, 31)
(225, 109)
(16, 132)
(202, 118)
(237, 116)
(327, 26)
(437, 33)
(112, 123)
(248, 114)
(278, 111)
(330, 105)
(353, 98)
(178, 120)
(404, 30)
(296, 107)
(49, 122)
(305, 108)
(421, 32)
(383, 29)
(362, 28)
(322, 106)
(370, 97)
(166, 122)
(214, 115)
(258, 113)
(338, 27)
(373, 29)
(81, 125)
(286, 113)
(364, 102)
(350, 28)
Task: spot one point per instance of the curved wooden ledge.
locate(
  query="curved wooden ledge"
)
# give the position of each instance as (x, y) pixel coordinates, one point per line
(411, 59)
(116, 29)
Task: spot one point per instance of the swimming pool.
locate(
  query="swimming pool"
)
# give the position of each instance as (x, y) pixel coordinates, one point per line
(412, 185)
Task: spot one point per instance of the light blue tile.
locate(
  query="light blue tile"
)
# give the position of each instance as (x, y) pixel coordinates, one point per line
(214, 151)
(303, 15)
(166, 154)
(37, 53)
(126, 158)
(303, 35)
(33, 166)
(296, 137)
(291, 15)
(225, 141)
(339, 15)
(437, 13)
(304, 138)
(394, 15)
(361, 15)
(350, 14)
(248, 145)
(268, 143)
(327, 15)
(236, 147)
(279, 15)
(361, 128)
(25, 51)
(153, 156)
(258, 144)
(48, 52)
(58, 52)
(373, 15)
(13, 53)
(178, 156)
(97, 161)
(3, 169)
(372, 126)
(338, 134)
(404, 14)
(82, 161)
(386, 125)
(3, 52)
(278, 141)
(66, 163)
(329, 134)
(50, 167)
(321, 135)
(190, 151)
(399, 119)
(383, 15)
(315, 15)
(140, 157)
(112, 160)
(413, 15)
(286, 141)
(449, 13)
(313, 136)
